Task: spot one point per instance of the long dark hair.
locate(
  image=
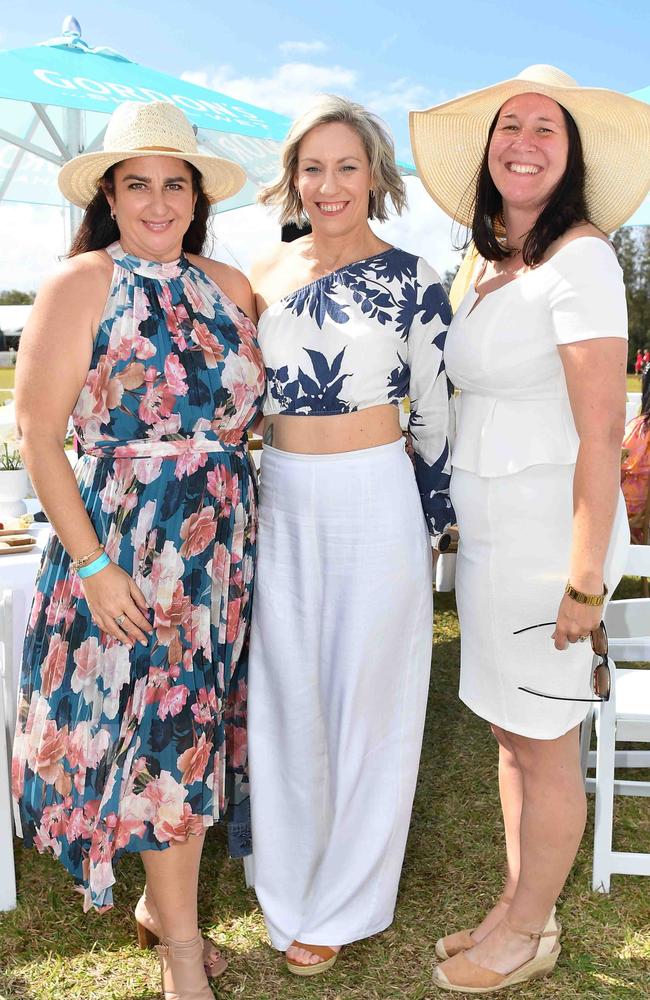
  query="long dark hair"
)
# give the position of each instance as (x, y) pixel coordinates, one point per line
(99, 230)
(565, 206)
(645, 397)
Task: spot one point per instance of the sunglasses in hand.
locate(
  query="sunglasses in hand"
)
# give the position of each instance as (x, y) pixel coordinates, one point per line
(601, 680)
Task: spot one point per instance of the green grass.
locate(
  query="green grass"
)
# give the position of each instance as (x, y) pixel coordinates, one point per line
(633, 383)
(50, 951)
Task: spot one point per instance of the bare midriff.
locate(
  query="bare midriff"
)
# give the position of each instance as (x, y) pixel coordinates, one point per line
(339, 432)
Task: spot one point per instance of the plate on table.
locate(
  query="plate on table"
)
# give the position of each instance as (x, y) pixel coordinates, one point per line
(14, 543)
(15, 531)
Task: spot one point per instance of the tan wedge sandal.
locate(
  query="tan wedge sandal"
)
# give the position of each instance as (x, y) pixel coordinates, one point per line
(460, 975)
(147, 925)
(327, 955)
(453, 944)
(181, 970)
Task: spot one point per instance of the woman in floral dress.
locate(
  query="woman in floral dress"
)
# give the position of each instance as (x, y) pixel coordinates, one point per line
(132, 715)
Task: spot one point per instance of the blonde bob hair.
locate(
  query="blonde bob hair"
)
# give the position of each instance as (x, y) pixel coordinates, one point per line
(377, 142)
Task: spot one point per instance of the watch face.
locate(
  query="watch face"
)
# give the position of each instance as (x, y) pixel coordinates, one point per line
(444, 542)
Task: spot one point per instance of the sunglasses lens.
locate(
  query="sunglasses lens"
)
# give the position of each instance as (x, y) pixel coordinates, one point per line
(599, 641)
(601, 681)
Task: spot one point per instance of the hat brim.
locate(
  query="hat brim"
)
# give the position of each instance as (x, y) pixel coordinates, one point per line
(79, 178)
(448, 143)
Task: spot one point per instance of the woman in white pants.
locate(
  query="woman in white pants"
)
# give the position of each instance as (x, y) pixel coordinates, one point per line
(341, 637)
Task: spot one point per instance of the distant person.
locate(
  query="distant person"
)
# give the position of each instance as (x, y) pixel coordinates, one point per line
(131, 722)
(341, 636)
(635, 465)
(638, 364)
(528, 166)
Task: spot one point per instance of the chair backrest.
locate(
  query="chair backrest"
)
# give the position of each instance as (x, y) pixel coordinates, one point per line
(638, 561)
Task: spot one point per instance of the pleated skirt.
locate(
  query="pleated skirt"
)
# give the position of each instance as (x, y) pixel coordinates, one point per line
(338, 679)
(512, 567)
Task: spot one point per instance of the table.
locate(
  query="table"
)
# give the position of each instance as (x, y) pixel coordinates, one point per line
(17, 579)
(18, 574)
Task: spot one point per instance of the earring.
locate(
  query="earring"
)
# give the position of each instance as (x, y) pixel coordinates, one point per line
(112, 215)
(192, 217)
(372, 192)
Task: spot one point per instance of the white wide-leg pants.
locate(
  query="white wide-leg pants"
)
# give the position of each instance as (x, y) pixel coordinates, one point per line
(338, 679)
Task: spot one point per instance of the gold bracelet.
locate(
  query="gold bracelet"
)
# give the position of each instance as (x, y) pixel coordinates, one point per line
(78, 563)
(593, 600)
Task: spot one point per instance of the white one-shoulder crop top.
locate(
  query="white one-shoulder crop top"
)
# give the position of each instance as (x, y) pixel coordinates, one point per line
(502, 353)
(369, 333)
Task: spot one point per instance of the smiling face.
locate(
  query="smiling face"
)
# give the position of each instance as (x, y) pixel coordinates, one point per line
(153, 201)
(333, 179)
(527, 156)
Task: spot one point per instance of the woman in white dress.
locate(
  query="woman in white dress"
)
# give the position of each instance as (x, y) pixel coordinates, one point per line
(538, 349)
(341, 637)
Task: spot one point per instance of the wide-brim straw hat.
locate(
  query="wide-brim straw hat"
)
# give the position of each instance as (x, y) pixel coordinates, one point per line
(449, 141)
(155, 129)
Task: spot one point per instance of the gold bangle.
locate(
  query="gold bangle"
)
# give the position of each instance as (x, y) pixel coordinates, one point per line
(593, 600)
(78, 563)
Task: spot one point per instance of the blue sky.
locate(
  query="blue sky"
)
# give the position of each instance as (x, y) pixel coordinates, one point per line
(391, 56)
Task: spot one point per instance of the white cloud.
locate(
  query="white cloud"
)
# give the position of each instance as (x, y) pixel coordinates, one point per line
(288, 91)
(399, 96)
(302, 47)
(32, 241)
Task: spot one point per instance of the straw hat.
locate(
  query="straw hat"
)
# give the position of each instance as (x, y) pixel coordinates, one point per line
(158, 129)
(449, 140)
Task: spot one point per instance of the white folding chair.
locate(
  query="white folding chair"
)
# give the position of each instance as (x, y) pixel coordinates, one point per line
(625, 718)
(7, 871)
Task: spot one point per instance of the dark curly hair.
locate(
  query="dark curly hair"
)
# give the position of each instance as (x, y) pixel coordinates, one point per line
(99, 230)
(564, 208)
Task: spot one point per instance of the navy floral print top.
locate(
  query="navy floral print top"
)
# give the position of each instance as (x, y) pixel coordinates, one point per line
(369, 333)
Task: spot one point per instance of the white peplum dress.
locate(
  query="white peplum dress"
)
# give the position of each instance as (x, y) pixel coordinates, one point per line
(512, 484)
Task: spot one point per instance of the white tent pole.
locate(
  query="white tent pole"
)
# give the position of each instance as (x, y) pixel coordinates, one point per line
(73, 136)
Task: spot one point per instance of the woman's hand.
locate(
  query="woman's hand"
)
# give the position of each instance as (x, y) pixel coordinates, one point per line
(574, 620)
(113, 594)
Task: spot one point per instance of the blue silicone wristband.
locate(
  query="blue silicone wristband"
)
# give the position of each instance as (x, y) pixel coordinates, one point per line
(94, 567)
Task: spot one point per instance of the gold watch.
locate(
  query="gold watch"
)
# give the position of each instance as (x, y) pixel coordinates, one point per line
(593, 600)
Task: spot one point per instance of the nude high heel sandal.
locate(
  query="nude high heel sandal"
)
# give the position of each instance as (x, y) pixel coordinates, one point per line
(181, 969)
(147, 925)
(460, 975)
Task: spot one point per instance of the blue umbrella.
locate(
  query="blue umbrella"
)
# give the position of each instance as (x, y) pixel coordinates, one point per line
(55, 98)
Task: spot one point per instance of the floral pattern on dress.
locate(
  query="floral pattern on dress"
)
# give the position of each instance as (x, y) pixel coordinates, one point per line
(129, 750)
(369, 333)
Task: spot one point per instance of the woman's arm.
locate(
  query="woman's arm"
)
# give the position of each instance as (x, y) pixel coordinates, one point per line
(589, 317)
(429, 392)
(53, 361)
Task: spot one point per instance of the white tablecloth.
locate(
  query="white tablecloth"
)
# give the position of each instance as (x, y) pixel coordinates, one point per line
(18, 574)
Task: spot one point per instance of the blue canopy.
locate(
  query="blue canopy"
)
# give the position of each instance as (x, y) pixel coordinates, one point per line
(55, 99)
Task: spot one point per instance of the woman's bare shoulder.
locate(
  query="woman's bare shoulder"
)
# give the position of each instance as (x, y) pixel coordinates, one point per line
(85, 278)
(230, 280)
(578, 232)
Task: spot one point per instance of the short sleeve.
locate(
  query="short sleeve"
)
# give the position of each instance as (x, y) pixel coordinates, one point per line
(587, 296)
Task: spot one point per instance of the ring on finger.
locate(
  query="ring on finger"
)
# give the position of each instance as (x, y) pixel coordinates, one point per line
(120, 620)
(583, 638)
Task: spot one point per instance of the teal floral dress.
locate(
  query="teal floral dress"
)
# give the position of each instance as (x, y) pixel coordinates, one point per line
(129, 750)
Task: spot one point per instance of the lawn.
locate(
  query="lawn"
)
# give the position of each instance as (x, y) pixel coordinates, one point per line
(50, 951)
